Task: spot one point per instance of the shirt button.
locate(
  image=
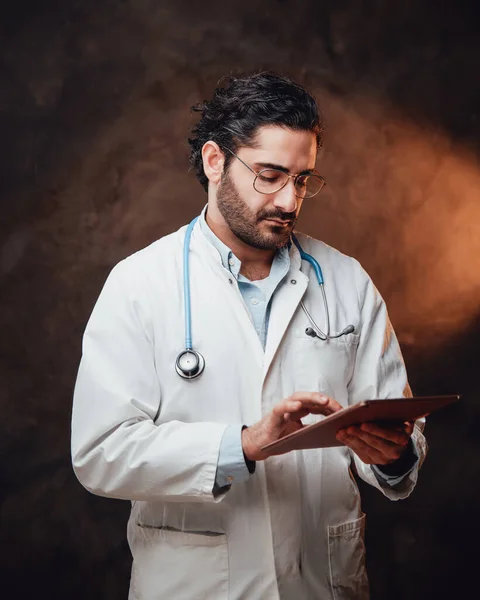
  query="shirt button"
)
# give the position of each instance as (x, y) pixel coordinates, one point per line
(254, 301)
(230, 478)
(231, 262)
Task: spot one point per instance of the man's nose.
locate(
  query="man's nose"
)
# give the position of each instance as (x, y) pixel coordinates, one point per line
(285, 199)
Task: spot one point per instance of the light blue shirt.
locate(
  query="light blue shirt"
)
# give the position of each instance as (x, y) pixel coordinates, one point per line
(257, 297)
(256, 294)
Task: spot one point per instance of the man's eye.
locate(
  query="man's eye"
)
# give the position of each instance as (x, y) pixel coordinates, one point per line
(271, 179)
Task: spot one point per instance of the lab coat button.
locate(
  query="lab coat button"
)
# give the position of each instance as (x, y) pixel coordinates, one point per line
(230, 280)
(294, 281)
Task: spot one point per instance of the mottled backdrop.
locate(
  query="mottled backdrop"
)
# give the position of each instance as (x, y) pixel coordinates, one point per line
(94, 113)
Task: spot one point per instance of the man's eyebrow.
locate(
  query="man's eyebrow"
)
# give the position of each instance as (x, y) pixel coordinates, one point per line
(267, 165)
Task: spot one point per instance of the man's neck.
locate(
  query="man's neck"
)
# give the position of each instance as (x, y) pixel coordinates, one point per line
(256, 263)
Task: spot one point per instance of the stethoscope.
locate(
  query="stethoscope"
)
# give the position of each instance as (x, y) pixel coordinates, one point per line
(190, 363)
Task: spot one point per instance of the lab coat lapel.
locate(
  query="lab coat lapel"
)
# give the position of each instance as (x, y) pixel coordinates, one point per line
(284, 304)
(235, 304)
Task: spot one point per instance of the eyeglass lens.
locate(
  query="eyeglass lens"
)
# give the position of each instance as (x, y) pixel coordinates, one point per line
(270, 181)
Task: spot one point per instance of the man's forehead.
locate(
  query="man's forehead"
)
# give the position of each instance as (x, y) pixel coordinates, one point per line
(289, 148)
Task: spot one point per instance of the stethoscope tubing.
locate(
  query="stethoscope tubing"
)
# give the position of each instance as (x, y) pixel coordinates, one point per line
(186, 285)
(193, 372)
(321, 282)
(309, 258)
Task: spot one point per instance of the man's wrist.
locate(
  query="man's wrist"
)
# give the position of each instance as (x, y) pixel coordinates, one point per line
(402, 465)
(251, 464)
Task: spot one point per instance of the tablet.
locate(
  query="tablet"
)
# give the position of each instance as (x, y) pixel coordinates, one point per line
(393, 410)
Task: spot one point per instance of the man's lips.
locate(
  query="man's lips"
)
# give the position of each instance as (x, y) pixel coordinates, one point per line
(278, 222)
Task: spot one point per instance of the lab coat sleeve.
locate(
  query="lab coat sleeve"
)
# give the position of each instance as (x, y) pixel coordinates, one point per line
(117, 449)
(379, 372)
(231, 460)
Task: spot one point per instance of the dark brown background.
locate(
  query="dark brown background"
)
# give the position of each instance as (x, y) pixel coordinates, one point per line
(94, 112)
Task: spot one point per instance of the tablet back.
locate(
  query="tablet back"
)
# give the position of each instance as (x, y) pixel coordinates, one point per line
(393, 410)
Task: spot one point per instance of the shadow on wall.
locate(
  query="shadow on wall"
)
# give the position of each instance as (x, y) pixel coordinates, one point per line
(403, 199)
(422, 547)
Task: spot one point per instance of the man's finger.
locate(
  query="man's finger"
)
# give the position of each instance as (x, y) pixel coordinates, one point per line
(317, 403)
(292, 408)
(296, 416)
(286, 406)
(366, 453)
(300, 404)
(388, 450)
(392, 434)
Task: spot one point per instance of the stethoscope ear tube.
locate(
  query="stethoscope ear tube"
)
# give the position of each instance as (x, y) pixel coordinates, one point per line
(312, 333)
(314, 330)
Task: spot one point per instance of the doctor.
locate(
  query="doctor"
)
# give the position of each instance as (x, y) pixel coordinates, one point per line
(218, 339)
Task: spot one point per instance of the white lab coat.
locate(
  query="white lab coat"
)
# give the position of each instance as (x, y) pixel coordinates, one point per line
(294, 530)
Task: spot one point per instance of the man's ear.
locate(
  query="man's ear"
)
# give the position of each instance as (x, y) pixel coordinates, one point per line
(213, 161)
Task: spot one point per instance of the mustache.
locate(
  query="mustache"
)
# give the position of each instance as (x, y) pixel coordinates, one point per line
(277, 214)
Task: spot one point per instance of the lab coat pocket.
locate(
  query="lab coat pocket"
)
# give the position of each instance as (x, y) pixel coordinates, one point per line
(168, 563)
(324, 366)
(346, 555)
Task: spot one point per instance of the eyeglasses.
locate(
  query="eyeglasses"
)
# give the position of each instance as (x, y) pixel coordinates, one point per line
(269, 181)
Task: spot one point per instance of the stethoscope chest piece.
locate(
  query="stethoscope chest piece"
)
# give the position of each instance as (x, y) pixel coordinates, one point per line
(189, 364)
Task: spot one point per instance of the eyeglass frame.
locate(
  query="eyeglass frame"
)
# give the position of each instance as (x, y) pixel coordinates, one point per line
(289, 176)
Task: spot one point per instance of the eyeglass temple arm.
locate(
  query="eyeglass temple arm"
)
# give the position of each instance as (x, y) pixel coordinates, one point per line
(243, 163)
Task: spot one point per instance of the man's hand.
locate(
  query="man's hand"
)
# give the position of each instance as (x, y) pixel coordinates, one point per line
(375, 444)
(284, 418)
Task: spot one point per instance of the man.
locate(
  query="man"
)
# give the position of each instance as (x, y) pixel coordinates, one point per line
(172, 412)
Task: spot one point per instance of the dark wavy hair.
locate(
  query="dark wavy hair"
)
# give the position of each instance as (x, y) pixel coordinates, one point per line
(240, 105)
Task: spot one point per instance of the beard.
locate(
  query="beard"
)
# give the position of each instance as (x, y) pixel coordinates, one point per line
(247, 225)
